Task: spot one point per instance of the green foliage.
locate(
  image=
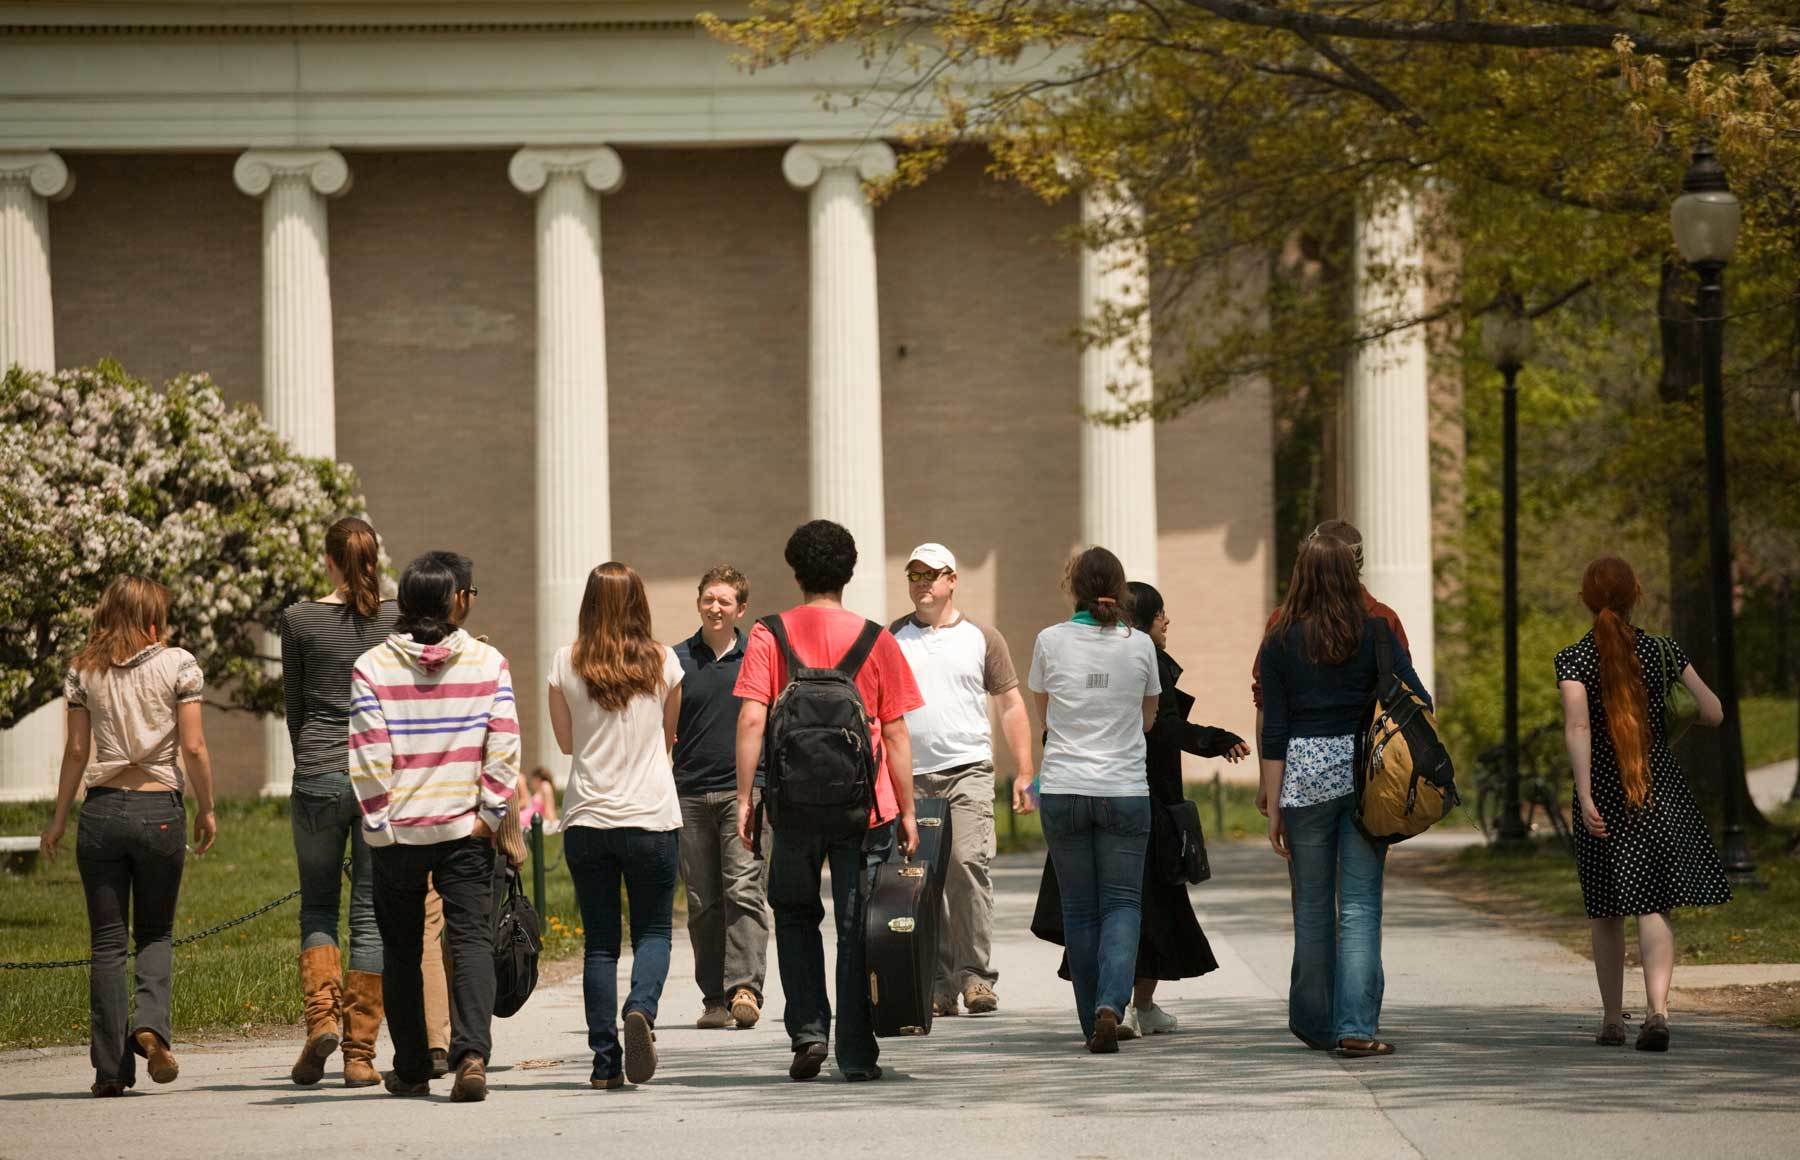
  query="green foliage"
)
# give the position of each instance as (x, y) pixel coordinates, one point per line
(101, 474)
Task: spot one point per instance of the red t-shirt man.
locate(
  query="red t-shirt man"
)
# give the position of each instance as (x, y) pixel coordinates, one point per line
(821, 637)
(1371, 606)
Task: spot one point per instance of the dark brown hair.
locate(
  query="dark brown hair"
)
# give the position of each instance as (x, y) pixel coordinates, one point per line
(726, 574)
(1096, 581)
(614, 653)
(352, 546)
(1610, 590)
(133, 612)
(1324, 598)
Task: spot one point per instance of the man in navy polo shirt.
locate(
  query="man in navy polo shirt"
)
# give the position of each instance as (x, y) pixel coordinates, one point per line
(727, 886)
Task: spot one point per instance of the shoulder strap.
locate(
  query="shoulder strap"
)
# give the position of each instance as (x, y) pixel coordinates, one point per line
(1384, 653)
(859, 652)
(772, 622)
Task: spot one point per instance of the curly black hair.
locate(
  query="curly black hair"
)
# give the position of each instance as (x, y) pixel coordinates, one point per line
(823, 557)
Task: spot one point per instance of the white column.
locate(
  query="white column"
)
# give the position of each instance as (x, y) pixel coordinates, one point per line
(1118, 464)
(31, 751)
(844, 364)
(299, 384)
(1389, 421)
(574, 496)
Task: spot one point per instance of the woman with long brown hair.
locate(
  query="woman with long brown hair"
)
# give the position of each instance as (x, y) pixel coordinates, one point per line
(134, 703)
(1642, 847)
(320, 641)
(1319, 666)
(614, 700)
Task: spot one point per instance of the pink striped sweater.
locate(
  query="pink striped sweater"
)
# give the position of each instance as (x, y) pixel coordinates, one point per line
(434, 739)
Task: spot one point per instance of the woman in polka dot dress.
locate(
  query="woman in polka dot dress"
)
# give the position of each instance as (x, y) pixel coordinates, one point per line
(1642, 847)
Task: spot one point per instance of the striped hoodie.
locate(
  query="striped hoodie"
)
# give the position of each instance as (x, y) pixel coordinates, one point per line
(434, 739)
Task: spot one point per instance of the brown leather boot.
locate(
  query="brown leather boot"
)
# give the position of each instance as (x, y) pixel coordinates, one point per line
(319, 980)
(362, 1023)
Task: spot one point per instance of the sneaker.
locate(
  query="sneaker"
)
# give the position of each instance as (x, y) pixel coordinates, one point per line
(1105, 1040)
(808, 1059)
(398, 1087)
(1152, 1020)
(471, 1081)
(746, 1008)
(716, 1017)
(157, 1057)
(640, 1048)
(1129, 1027)
(944, 1009)
(440, 1063)
(979, 997)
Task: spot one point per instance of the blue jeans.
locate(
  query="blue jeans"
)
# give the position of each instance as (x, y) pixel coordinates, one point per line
(644, 860)
(796, 863)
(1097, 845)
(325, 816)
(1336, 988)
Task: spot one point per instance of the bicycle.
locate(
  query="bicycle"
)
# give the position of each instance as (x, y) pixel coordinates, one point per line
(1544, 786)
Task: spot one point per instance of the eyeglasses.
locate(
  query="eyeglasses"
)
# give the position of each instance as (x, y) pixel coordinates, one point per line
(913, 577)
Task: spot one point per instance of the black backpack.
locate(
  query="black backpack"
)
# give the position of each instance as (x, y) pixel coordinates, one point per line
(819, 762)
(517, 940)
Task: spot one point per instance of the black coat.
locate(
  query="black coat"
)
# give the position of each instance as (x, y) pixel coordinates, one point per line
(1171, 944)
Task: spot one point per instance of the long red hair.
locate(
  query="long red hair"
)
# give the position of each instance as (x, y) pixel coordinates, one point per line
(614, 653)
(1610, 590)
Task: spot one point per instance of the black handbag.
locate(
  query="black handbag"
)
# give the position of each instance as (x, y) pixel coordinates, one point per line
(1180, 845)
(518, 938)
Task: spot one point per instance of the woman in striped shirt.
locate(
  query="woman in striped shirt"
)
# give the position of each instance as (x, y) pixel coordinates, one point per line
(434, 759)
(320, 640)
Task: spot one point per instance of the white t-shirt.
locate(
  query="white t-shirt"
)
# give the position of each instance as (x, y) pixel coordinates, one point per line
(1097, 679)
(958, 667)
(620, 773)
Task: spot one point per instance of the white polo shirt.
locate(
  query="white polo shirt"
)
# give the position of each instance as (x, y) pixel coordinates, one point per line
(958, 667)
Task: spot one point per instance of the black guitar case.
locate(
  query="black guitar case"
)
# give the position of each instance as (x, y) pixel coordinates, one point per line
(900, 928)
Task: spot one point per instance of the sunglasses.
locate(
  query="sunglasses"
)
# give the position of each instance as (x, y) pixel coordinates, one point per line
(915, 577)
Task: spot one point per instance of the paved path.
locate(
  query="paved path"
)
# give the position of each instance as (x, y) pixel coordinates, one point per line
(1770, 785)
(1495, 1031)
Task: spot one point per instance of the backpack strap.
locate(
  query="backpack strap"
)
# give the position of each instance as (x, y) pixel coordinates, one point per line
(859, 652)
(778, 630)
(1384, 653)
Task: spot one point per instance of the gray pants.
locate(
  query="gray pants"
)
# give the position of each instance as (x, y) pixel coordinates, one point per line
(727, 897)
(325, 817)
(966, 930)
(130, 846)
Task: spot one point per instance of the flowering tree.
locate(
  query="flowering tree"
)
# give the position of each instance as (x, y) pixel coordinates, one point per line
(102, 474)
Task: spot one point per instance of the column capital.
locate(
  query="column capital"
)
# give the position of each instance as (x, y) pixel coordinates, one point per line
(805, 163)
(44, 171)
(324, 169)
(598, 166)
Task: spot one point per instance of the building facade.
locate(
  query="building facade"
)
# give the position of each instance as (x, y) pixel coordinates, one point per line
(564, 284)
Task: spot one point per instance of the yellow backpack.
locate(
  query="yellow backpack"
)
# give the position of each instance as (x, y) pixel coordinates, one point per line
(1404, 780)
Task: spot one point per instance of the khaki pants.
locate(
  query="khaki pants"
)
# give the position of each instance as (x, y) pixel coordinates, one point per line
(434, 964)
(727, 896)
(966, 930)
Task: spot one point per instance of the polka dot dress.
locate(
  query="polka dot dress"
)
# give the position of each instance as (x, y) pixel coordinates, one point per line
(1655, 857)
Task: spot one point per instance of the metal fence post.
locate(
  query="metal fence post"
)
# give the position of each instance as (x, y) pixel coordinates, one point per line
(537, 863)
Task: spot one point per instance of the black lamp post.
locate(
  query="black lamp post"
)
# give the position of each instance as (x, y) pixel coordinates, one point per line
(1506, 339)
(1705, 222)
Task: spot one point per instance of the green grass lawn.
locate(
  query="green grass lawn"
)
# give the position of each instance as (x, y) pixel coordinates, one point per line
(1756, 926)
(1025, 833)
(239, 979)
(1771, 731)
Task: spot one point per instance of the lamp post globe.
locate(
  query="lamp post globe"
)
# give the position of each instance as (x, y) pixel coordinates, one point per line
(1506, 339)
(1705, 220)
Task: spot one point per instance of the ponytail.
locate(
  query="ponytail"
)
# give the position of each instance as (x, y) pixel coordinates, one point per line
(1610, 589)
(351, 545)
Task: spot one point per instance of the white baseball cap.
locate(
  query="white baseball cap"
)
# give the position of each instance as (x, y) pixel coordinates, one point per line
(934, 556)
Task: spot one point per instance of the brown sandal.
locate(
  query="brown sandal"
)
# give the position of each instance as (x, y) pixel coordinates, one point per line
(1611, 1035)
(1363, 1048)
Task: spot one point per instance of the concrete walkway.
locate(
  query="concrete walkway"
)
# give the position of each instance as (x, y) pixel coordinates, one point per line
(1495, 1031)
(1771, 785)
